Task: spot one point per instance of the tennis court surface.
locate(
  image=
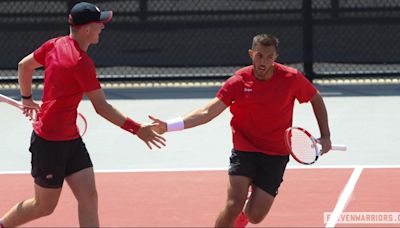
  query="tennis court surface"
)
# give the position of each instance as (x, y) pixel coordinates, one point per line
(194, 198)
(184, 184)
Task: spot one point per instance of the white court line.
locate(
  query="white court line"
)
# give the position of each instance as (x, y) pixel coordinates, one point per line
(136, 170)
(344, 167)
(159, 170)
(223, 169)
(226, 168)
(344, 197)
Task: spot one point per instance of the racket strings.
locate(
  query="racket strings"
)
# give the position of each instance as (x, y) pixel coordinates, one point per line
(302, 146)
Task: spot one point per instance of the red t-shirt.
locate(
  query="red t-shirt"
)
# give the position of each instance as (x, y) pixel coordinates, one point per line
(69, 72)
(263, 110)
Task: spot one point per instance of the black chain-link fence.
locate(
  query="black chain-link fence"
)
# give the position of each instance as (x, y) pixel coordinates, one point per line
(164, 39)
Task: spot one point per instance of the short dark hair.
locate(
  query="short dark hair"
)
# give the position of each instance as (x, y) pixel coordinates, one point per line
(265, 40)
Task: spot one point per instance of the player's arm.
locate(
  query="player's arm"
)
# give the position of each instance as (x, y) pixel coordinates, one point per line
(193, 119)
(321, 115)
(26, 67)
(205, 114)
(107, 111)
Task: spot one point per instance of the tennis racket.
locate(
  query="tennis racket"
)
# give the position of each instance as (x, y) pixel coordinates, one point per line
(81, 121)
(303, 147)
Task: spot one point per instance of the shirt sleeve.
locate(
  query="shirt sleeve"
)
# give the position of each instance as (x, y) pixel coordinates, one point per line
(305, 90)
(40, 53)
(85, 74)
(227, 92)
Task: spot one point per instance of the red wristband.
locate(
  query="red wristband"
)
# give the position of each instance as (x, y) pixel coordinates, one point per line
(131, 126)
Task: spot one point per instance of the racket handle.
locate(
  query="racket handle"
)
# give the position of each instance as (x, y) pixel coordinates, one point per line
(340, 147)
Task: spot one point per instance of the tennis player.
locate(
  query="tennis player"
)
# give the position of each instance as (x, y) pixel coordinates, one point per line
(57, 149)
(261, 99)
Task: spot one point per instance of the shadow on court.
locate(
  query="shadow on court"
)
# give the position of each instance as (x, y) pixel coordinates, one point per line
(352, 90)
(210, 92)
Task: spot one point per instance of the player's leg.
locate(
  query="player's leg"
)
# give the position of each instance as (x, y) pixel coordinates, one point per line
(242, 169)
(258, 205)
(47, 171)
(237, 194)
(81, 179)
(265, 186)
(42, 204)
(83, 186)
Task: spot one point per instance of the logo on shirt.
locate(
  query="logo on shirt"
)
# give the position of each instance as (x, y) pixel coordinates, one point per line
(247, 90)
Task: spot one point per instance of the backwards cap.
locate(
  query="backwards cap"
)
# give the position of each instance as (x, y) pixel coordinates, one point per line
(84, 12)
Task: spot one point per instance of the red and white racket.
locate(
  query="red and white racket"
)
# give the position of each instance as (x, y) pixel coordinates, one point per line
(82, 124)
(303, 147)
(11, 101)
(81, 121)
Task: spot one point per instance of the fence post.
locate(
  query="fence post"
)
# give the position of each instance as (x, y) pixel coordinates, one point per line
(335, 8)
(308, 39)
(143, 10)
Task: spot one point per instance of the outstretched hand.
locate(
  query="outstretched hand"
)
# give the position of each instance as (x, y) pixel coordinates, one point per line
(160, 126)
(30, 108)
(149, 136)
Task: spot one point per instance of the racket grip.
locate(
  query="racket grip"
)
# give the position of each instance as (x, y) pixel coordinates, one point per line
(340, 147)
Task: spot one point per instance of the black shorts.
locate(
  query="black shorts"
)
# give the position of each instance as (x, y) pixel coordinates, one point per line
(52, 161)
(266, 171)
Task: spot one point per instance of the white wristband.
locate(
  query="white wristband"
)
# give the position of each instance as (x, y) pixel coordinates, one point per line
(175, 124)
